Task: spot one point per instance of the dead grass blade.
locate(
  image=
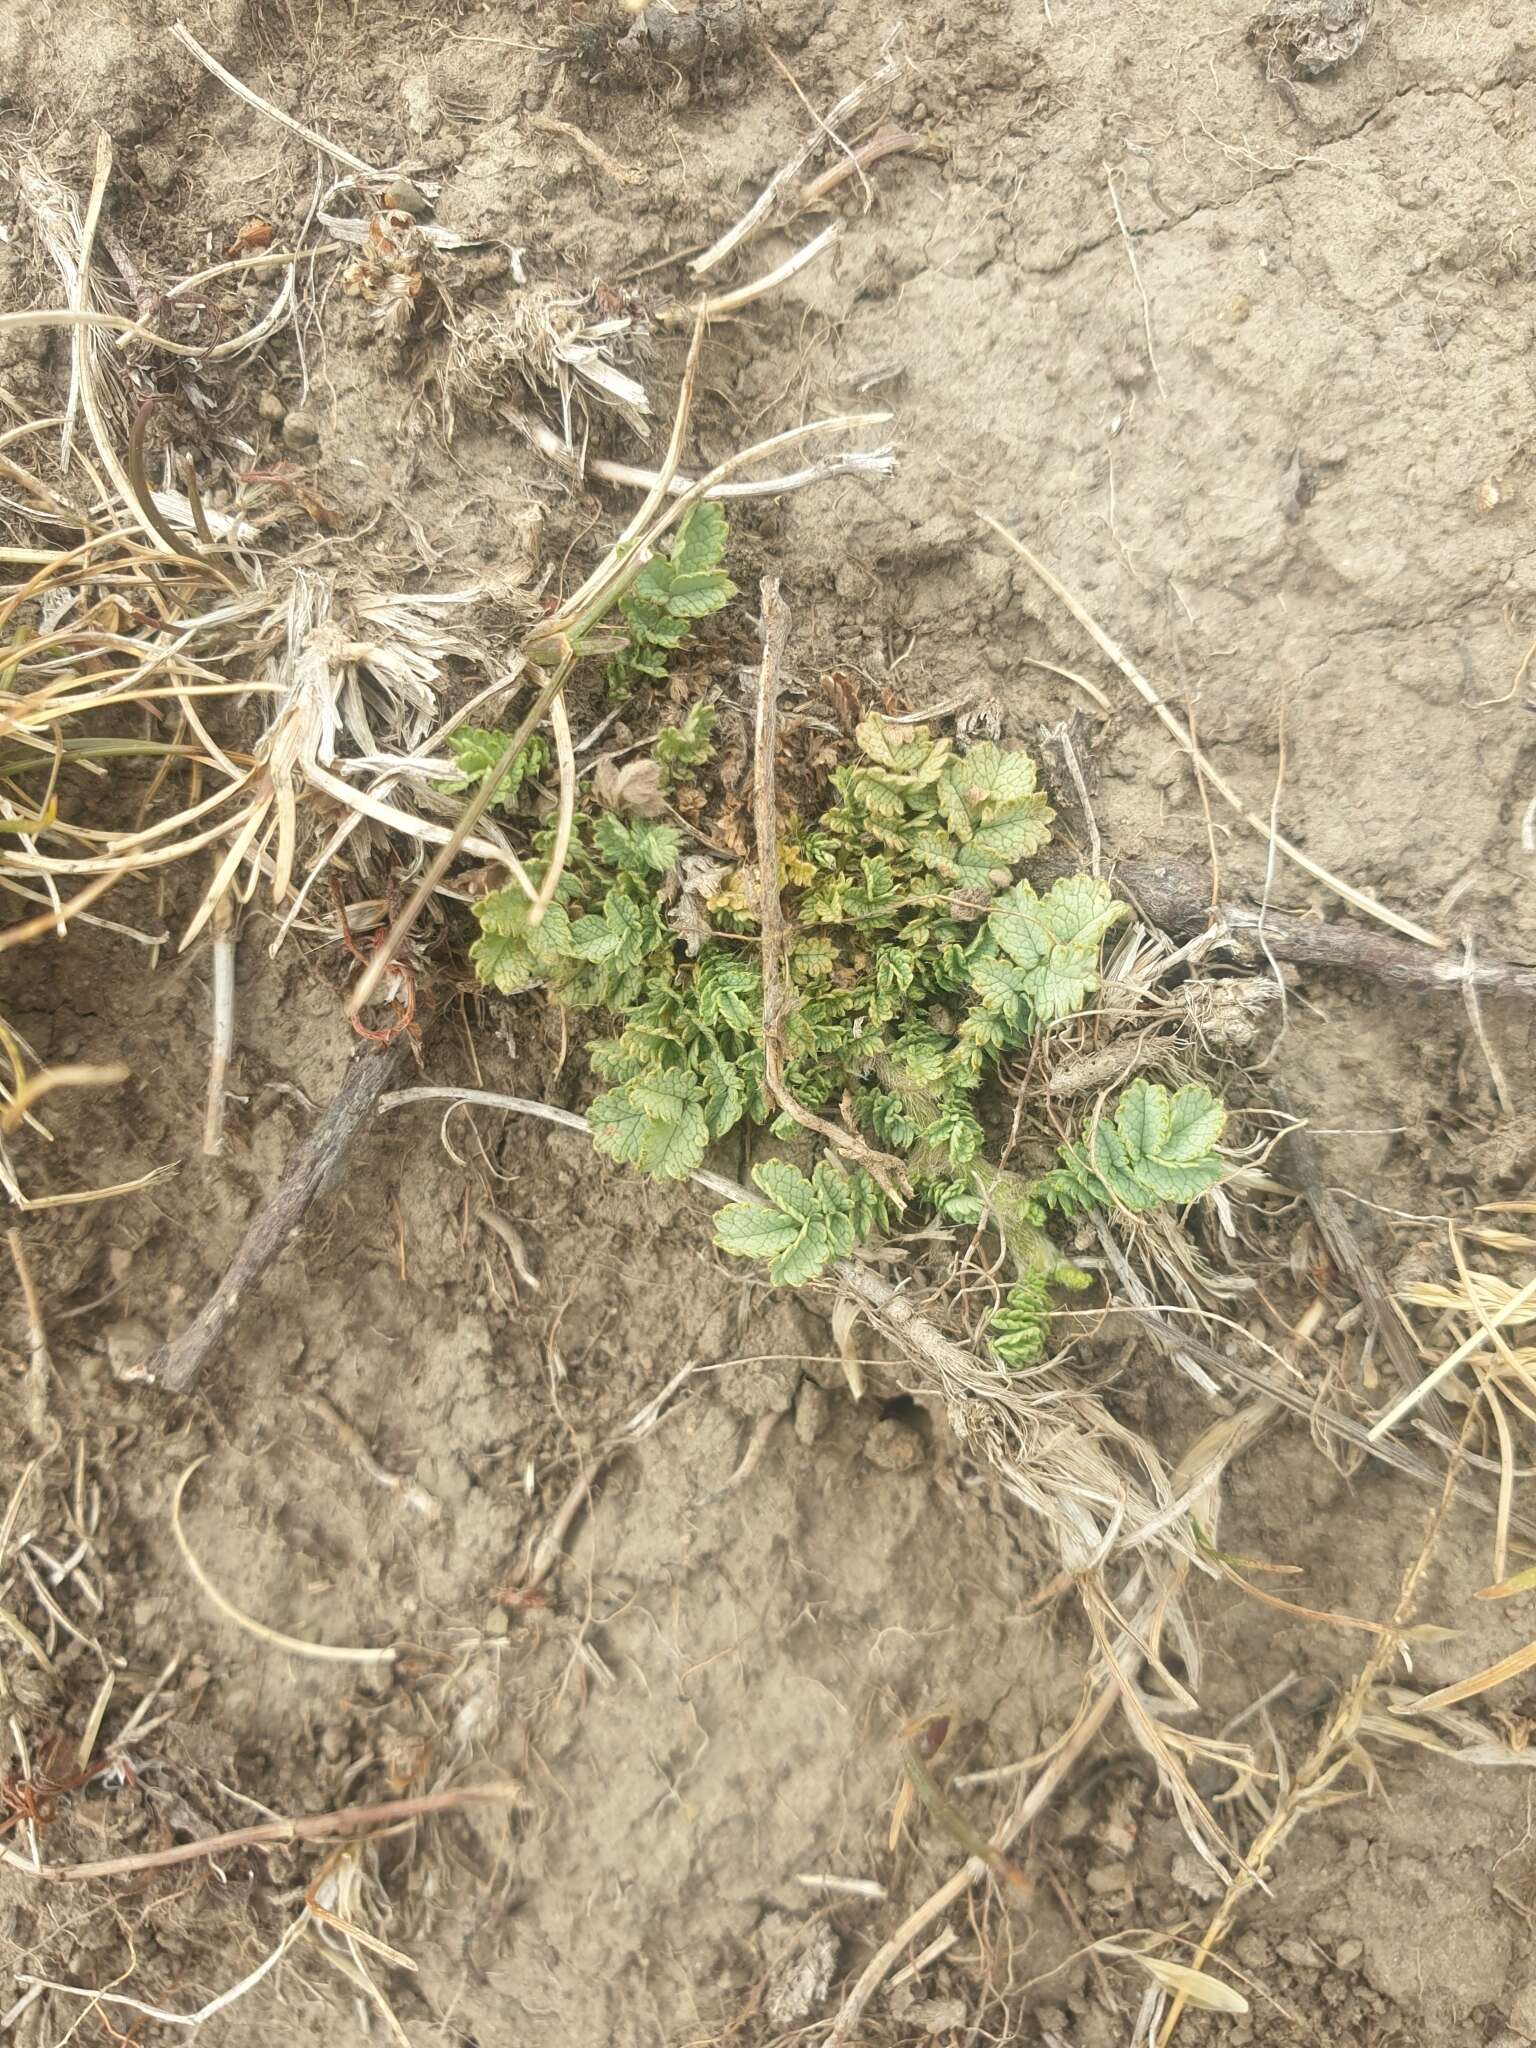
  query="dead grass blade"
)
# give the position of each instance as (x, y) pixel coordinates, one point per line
(1155, 700)
(1509, 1667)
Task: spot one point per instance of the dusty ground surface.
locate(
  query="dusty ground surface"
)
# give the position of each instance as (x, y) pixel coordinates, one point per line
(1284, 459)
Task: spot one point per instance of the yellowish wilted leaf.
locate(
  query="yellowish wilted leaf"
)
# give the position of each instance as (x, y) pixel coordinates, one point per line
(1522, 1582)
(1195, 1987)
(1480, 1681)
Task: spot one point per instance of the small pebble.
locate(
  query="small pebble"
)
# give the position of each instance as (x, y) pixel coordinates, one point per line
(301, 430)
(131, 1343)
(810, 1411)
(496, 1623)
(333, 1742)
(1107, 1878)
(270, 406)
(402, 194)
(157, 167)
(894, 1446)
(1349, 1953)
(1301, 1955)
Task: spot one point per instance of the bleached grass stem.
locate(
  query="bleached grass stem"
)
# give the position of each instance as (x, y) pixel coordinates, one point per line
(1447, 1366)
(1180, 732)
(296, 1646)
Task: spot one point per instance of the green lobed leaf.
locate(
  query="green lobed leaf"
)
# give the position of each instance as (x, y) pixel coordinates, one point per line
(701, 538)
(908, 751)
(958, 1131)
(637, 846)
(613, 937)
(786, 1187)
(1018, 1331)
(478, 751)
(805, 1259)
(989, 775)
(1055, 940)
(655, 1122)
(698, 593)
(681, 748)
(753, 1232)
(728, 989)
(1156, 1148)
(654, 583)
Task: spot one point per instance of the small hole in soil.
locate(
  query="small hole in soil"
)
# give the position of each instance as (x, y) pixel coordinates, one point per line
(902, 1408)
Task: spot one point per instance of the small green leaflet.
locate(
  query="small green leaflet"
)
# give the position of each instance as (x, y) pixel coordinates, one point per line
(1055, 939)
(477, 752)
(696, 595)
(807, 1224)
(988, 775)
(681, 748)
(956, 1129)
(691, 594)
(701, 538)
(728, 987)
(614, 939)
(511, 954)
(1018, 1330)
(1157, 1148)
(907, 751)
(667, 595)
(656, 1123)
(636, 846)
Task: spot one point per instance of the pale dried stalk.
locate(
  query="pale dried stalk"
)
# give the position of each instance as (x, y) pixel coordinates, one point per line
(296, 1646)
(1155, 700)
(189, 42)
(762, 208)
(222, 1037)
(854, 462)
(971, 1872)
(744, 294)
(1488, 1328)
(40, 1362)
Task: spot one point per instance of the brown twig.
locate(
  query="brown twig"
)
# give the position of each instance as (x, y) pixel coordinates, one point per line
(1177, 897)
(143, 496)
(775, 621)
(311, 1167)
(884, 142)
(346, 1820)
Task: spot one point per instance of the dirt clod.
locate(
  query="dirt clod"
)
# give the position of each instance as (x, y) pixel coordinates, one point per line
(894, 1446)
(1314, 36)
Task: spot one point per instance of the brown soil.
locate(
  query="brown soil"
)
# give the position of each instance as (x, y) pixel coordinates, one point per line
(1296, 486)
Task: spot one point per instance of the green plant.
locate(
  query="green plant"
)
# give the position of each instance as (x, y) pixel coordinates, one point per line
(680, 749)
(917, 956)
(803, 1224)
(670, 592)
(476, 753)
